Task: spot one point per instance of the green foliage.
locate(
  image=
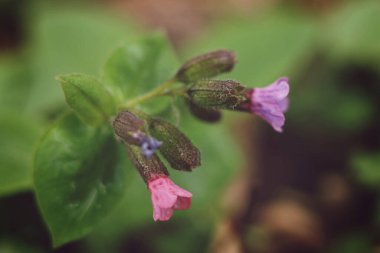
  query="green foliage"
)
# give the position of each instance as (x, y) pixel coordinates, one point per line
(57, 44)
(266, 48)
(352, 243)
(79, 177)
(367, 168)
(79, 169)
(88, 98)
(68, 39)
(18, 135)
(139, 66)
(78, 174)
(353, 32)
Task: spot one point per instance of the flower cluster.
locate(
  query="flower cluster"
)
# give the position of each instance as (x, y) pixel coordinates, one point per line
(144, 135)
(139, 134)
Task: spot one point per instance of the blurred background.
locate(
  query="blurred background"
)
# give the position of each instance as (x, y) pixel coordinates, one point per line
(314, 188)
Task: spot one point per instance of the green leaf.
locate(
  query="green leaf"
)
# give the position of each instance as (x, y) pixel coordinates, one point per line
(79, 177)
(68, 38)
(139, 66)
(18, 135)
(367, 168)
(88, 97)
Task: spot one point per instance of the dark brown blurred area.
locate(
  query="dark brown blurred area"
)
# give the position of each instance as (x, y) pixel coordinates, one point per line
(12, 31)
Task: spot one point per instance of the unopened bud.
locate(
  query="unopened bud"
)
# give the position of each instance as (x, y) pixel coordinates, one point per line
(148, 168)
(127, 125)
(206, 66)
(176, 148)
(205, 114)
(130, 129)
(217, 94)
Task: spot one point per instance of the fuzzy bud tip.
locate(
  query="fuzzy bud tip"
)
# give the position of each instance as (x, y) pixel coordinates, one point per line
(206, 66)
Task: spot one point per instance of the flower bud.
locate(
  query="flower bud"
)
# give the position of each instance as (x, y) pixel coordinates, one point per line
(217, 94)
(148, 168)
(176, 148)
(130, 129)
(126, 125)
(206, 66)
(205, 114)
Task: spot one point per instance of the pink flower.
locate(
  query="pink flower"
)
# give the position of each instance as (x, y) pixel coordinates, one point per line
(271, 102)
(167, 197)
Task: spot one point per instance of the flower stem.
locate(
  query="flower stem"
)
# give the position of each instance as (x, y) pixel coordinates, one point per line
(160, 90)
(175, 92)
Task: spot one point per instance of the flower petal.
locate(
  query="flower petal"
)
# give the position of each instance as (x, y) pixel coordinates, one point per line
(274, 117)
(166, 197)
(284, 104)
(162, 214)
(180, 192)
(271, 102)
(162, 196)
(182, 203)
(274, 92)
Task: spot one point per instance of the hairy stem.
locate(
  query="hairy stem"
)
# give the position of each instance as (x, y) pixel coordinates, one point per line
(161, 90)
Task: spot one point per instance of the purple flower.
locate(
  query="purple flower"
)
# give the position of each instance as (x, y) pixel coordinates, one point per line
(148, 144)
(271, 102)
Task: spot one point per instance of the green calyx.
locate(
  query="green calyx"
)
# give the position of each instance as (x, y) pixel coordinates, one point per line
(147, 167)
(206, 66)
(209, 115)
(177, 149)
(217, 94)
